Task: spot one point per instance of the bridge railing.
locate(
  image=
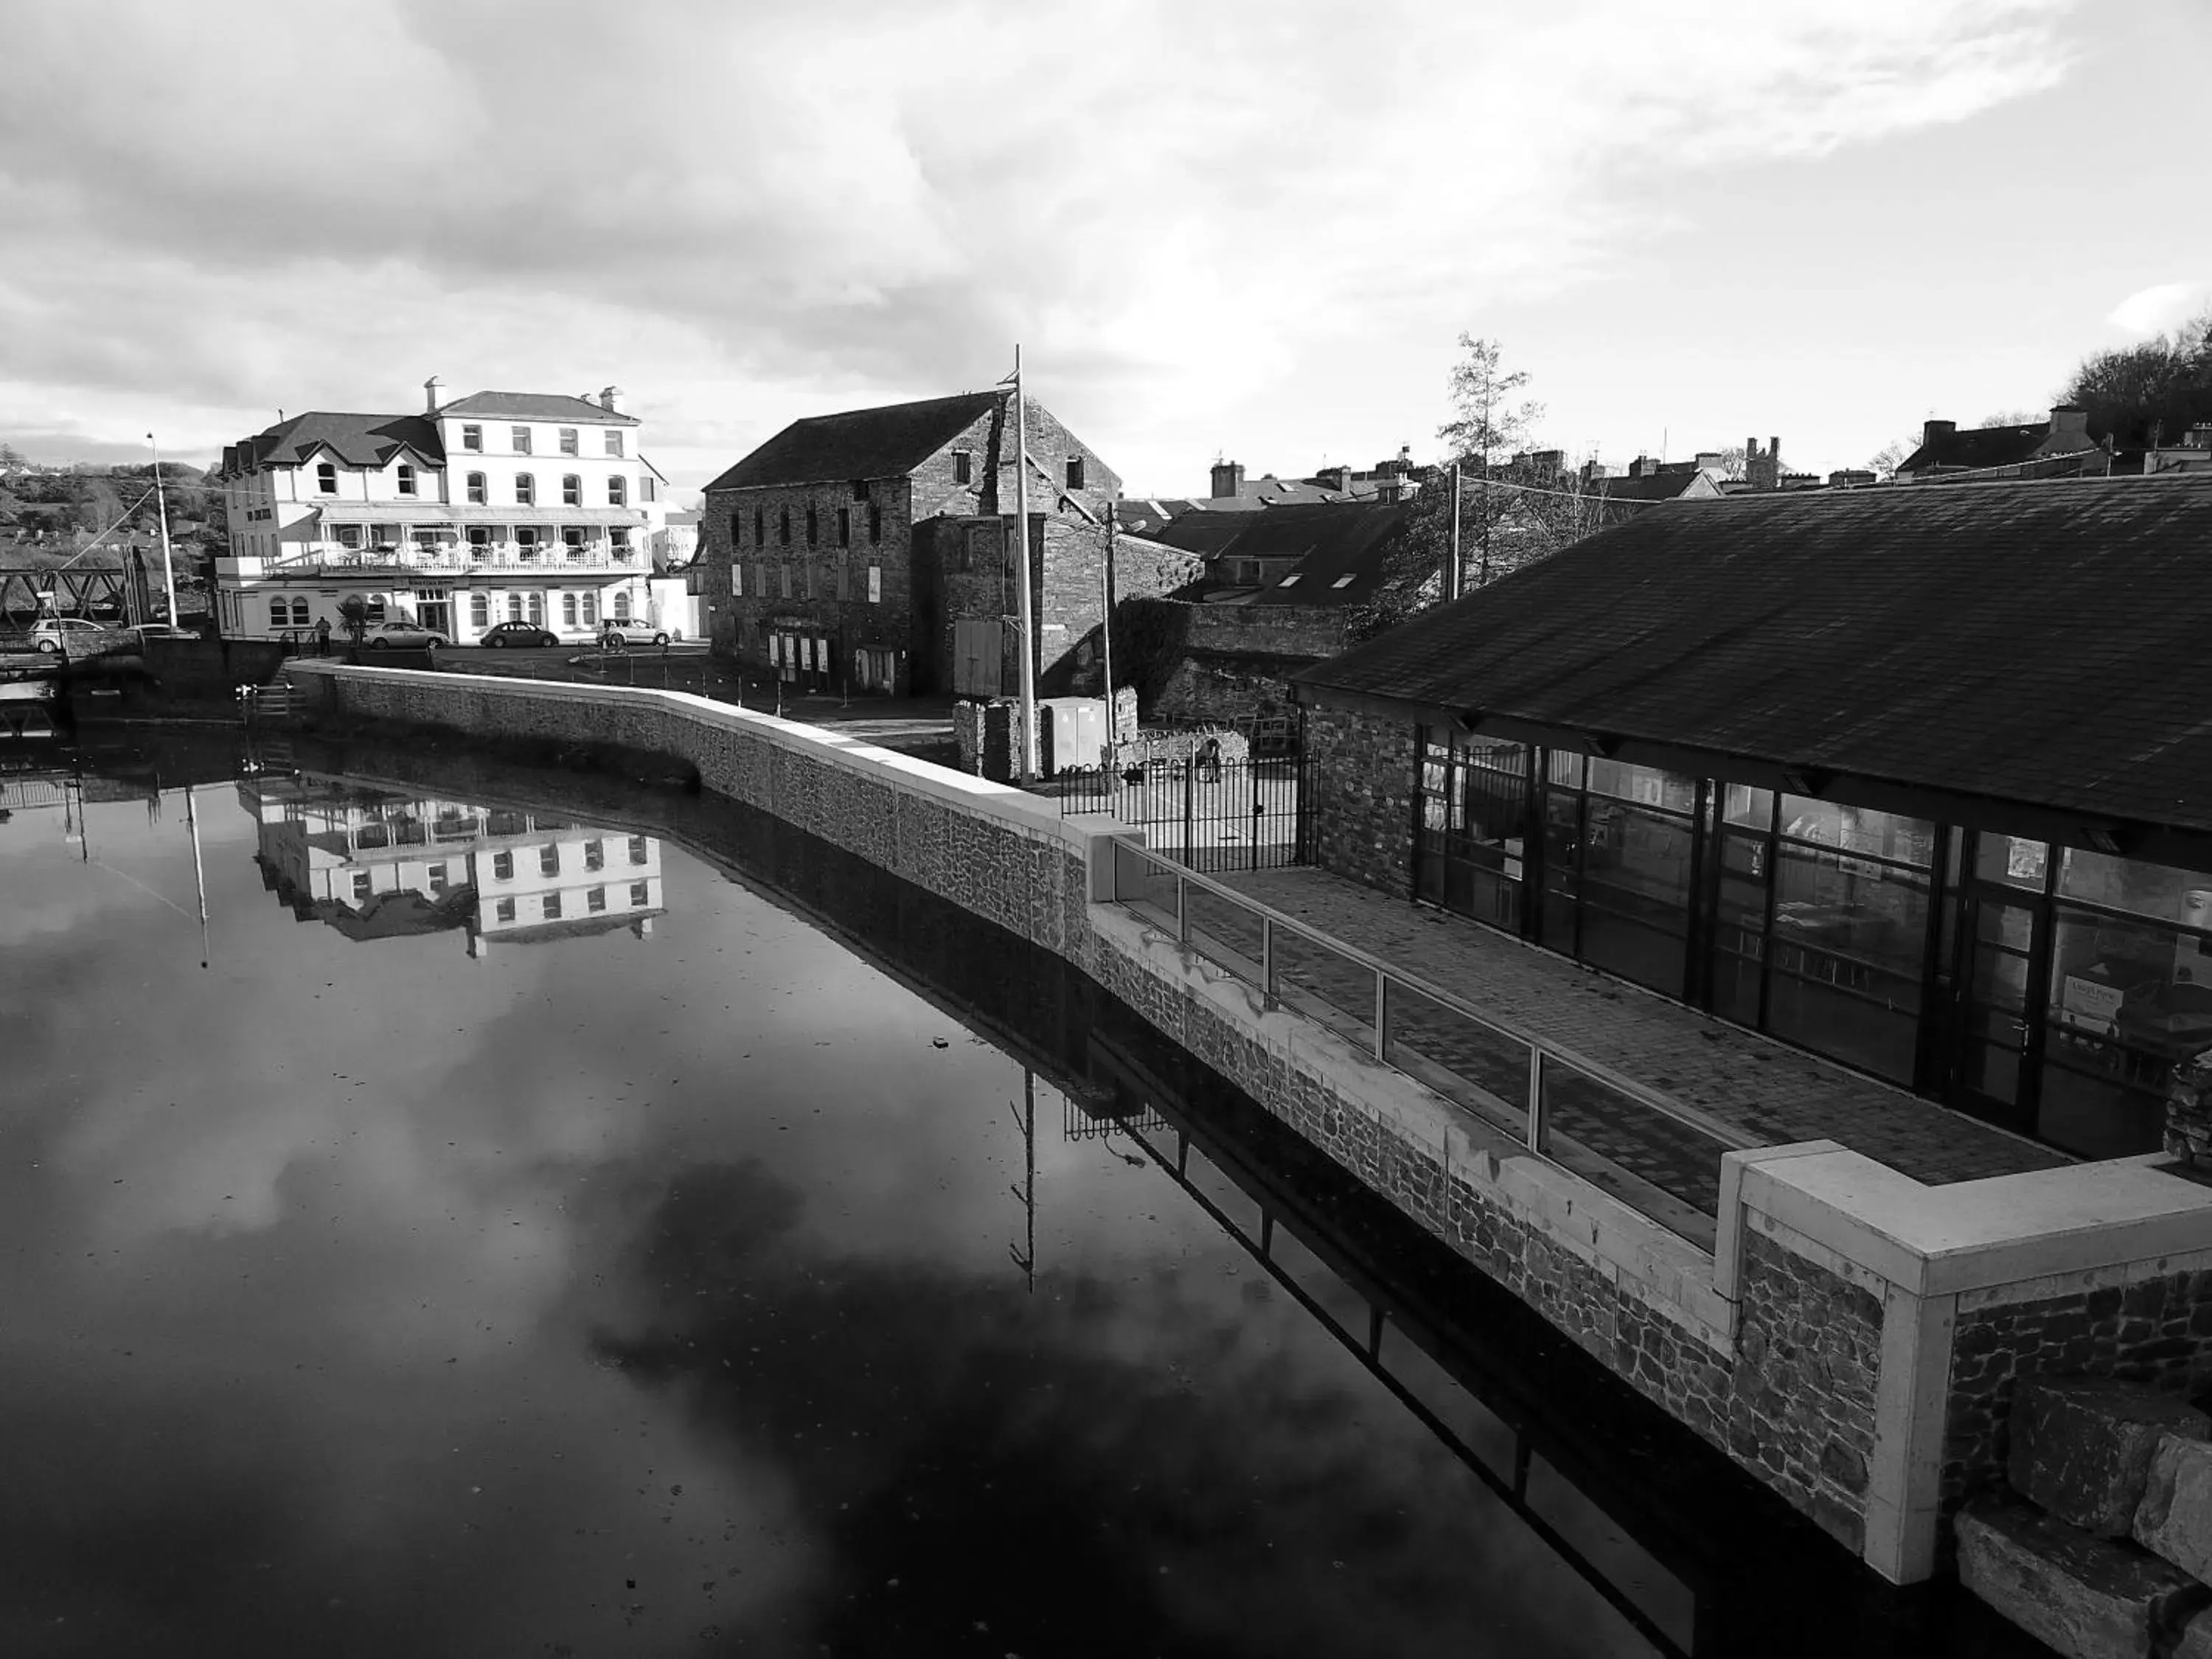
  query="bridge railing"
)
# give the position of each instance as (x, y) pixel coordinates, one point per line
(1659, 1155)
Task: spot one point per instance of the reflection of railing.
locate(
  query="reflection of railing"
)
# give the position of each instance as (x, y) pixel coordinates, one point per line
(1659, 1155)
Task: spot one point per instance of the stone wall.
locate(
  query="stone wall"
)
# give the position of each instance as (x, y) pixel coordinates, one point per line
(2156, 1331)
(1359, 781)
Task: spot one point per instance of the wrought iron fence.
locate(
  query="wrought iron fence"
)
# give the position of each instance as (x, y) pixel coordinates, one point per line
(1208, 814)
(1659, 1155)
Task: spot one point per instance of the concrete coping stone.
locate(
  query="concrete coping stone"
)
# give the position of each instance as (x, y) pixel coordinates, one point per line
(2080, 1594)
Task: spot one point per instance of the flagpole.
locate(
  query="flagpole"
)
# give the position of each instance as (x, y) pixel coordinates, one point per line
(1022, 540)
(1106, 626)
(161, 503)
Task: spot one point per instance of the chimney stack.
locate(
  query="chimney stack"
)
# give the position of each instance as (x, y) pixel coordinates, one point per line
(1228, 480)
(430, 395)
(1931, 430)
(2071, 420)
(610, 399)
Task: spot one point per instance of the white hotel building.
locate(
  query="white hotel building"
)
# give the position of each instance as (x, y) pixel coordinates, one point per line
(498, 507)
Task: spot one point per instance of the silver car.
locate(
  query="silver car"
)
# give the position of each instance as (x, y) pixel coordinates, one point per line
(401, 635)
(620, 632)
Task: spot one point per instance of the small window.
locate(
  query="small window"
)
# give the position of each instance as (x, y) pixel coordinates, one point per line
(548, 859)
(504, 910)
(813, 525)
(760, 536)
(860, 489)
(1344, 581)
(472, 437)
(326, 478)
(479, 492)
(1290, 580)
(526, 489)
(618, 538)
(783, 527)
(614, 441)
(569, 610)
(875, 584)
(963, 467)
(595, 855)
(618, 491)
(844, 527)
(596, 900)
(637, 849)
(875, 522)
(376, 607)
(348, 535)
(277, 614)
(502, 867)
(572, 490)
(640, 893)
(479, 609)
(736, 579)
(549, 906)
(1075, 473)
(360, 884)
(406, 476)
(568, 441)
(521, 436)
(737, 530)
(299, 613)
(438, 882)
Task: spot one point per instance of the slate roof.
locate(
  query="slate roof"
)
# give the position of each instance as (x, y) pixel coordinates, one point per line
(355, 439)
(534, 406)
(2037, 643)
(888, 442)
(1652, 486)
(1987, 445)
(1329, 541)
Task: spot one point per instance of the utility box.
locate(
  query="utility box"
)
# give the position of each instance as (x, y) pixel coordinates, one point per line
(1072, 731)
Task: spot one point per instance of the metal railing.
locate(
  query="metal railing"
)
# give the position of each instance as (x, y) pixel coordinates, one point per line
(1239, 814)
(1659, 1155)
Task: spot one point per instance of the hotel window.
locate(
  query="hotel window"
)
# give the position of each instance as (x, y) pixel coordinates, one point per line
(479, 494)
(360, 884)
(348, 535)
(569, 610)
(614, 441)
(536, 607)
(572, 536)
(472, 437)
(549, 906)
(618, 541)
(622, 605)
(437, 878)
(326, 478)
(618, 491)
(596, 900)
(521, 437)
(548, 859)
(503, 910)
(299, 613)
(376, 607)
(502, 867)
(640, 893)
(844, 527)
(963, 467)
(526, 489)
(572, 490)
(1075, 473)
(277, 617)
(479, 543)
(595, 855)
(568, 441)
(406, 478)
(514, 607)
(479, 609)
(591, 610)
(637, 849)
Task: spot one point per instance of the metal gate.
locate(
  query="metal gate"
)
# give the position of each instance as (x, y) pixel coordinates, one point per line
(1212, 815)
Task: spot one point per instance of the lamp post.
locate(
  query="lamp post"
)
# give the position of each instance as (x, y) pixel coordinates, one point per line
(1022, 540)
(162, 505)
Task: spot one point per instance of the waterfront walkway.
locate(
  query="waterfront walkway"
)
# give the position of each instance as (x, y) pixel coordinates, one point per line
(1774, 1093)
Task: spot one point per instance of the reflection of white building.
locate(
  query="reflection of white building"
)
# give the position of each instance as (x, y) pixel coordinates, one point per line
(498, 507)
(376, 864)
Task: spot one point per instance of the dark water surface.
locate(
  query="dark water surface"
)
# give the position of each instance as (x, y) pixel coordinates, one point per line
(666, 1277)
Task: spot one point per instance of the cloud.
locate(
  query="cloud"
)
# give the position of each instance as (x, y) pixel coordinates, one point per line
(744, 214)
(2160, 308)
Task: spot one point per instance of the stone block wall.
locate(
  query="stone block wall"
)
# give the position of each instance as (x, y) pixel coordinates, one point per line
(1359, 781)
(2155, 1331)
(764, 531)
(1228, 689)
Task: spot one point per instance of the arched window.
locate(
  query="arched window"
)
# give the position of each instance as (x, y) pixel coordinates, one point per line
(514, 607)
(478, 496)
(479, 609)
(568, 609)
(326, 478)
(618, 491)
(572, 490)
(299, 613)
(526, 489)
(622, 605)
(406, 475)
(276, 613)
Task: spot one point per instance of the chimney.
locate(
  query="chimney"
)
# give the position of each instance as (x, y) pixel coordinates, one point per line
(1931, 430)
(1710, 461)
(1642, 467)
(430, 395)
(1227, 479)
(611, 399)
(2071, 420)
(1334, 478)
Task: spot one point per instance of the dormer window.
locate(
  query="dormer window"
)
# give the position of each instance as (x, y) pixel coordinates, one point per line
(521, 436)
(326, 478)
(406, 474)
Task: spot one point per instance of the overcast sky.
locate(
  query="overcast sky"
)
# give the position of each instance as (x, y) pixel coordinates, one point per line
(1245, 229)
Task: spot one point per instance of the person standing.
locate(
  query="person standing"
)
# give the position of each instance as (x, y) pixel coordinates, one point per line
(322, 636)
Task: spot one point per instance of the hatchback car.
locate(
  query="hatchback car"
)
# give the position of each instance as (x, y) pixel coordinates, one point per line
(621, 631)
(518, 634)
(402, 635)
(52, 633)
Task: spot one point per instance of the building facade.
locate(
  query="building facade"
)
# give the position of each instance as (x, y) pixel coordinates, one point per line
(1876, 772)
(498, 507)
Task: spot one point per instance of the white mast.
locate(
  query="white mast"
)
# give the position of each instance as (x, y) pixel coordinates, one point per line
(1028, 758)
(161, 503)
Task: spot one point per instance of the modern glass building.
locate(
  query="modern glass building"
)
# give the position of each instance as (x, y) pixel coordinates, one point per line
(1921, 784)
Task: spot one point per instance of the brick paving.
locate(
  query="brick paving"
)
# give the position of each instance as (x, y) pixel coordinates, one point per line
(1773, 1093)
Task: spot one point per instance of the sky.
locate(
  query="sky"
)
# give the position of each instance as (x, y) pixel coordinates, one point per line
(1239, 230)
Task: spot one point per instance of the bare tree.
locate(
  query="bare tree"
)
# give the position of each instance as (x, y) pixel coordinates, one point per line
(1492, 422)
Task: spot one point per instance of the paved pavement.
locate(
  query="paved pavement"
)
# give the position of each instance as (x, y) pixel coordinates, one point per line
(1773, 1093)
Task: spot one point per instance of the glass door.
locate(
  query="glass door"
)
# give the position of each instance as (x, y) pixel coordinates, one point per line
(1994, 1038)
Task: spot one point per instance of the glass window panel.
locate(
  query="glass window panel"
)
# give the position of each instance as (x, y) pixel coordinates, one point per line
(1850, 938)
(1859, 829)
(1564, 767)
(2010, 859)
(2160, 890)
(1636, 894)
(1743, 804)
(1647, 786)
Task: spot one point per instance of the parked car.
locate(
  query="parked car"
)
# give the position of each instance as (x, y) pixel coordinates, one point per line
(620, 632)
(69, 633)
(403, 635)
(518, 634)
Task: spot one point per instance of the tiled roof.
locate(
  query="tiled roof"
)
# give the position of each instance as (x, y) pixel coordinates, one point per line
(861, 443)
(1652, 486)
(1330, 541)
(1987, 446)
(534, 406)
(355, 439)
(2037, 643)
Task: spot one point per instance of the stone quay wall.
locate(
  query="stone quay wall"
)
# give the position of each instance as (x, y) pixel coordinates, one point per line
(1363, 766)
(1813, 1346)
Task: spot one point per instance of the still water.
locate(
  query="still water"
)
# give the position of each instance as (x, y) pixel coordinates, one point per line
(488, 1231)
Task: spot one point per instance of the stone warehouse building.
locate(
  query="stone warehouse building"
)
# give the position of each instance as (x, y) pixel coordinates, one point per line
(871, 549)
(498, 507)
(1919, 779)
